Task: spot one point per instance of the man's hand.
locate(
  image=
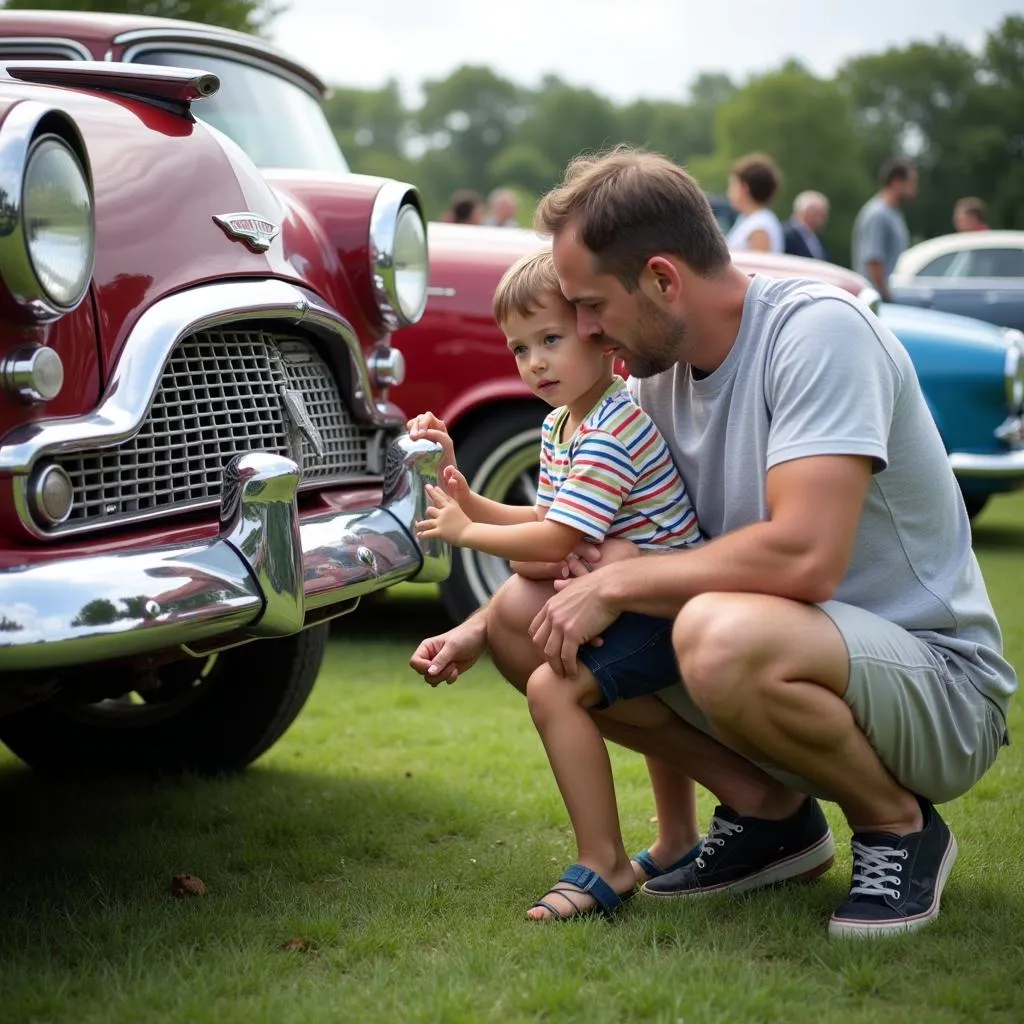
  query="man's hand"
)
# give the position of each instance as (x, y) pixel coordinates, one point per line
(428, 427)
(576, 615)
(445, 519)
(443, 658)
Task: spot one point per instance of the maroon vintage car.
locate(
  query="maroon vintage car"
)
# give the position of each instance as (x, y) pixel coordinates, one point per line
(199, 453)
(457, 362)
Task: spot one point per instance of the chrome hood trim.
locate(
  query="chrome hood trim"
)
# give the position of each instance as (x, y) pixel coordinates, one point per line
(135, 379)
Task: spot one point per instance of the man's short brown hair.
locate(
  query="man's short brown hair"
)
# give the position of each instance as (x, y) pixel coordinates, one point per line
(629, 205)
(526, 285)
(759, 173)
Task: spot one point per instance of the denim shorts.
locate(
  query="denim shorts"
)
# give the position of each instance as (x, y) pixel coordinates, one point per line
(635, 659)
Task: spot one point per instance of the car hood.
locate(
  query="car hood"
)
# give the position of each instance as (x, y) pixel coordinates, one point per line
(913, 324)
(159, 178)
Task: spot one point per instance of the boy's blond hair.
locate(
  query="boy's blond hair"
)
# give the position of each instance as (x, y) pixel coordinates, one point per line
(525, 285)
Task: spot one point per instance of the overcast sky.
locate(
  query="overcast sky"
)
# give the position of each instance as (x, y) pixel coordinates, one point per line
(623, 49)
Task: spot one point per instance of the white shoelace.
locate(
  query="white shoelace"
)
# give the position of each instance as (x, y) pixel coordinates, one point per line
(875, 868)
(719, 831)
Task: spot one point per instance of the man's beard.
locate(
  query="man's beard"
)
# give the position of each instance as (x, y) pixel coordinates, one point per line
(660, 339)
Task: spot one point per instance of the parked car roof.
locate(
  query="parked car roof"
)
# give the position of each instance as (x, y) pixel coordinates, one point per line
(914, 259)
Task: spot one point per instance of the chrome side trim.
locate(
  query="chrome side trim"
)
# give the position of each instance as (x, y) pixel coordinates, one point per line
(137, 375)
(51, 46)
(998, 467)
(252, 580)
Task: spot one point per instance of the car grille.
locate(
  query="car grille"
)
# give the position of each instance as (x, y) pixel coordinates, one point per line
(222, 393)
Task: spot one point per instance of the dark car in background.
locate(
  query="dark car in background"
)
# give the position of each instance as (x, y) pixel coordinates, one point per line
(971, 273)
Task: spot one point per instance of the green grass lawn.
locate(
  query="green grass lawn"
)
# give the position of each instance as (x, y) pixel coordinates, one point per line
(375, 866)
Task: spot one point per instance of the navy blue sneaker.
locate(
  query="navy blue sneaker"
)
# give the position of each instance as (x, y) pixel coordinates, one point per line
(897, 880)
(742, 853)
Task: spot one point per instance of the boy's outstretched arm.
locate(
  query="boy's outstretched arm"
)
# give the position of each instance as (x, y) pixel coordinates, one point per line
(542, 541)
(429, 427)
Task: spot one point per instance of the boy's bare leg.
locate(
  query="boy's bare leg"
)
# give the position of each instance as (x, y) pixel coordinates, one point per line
(644, 724)
(675, 805)
(580, 764)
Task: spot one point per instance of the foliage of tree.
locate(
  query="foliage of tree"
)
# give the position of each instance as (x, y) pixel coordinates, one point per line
(245, 15)
(957, 113)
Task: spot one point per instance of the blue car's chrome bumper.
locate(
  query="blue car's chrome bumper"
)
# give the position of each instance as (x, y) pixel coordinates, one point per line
(1004, 466)
(265, 574)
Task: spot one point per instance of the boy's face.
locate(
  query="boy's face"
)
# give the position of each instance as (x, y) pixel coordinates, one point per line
(553, 361)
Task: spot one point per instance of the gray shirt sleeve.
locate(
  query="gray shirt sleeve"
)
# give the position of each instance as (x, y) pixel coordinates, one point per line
(830, 386)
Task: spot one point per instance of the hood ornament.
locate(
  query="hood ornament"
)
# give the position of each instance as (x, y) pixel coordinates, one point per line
(255, 230)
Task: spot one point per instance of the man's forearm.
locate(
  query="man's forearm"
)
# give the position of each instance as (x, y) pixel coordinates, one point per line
(756, 559)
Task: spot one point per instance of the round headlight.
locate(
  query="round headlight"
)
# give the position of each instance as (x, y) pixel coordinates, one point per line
(410, 263)
(398, 255)
(58, 219)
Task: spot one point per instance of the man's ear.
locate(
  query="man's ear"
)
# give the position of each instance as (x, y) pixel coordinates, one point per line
(662, 277)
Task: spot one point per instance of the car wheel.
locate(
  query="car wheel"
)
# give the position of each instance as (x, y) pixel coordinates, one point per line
(499, 458)
(207, 715)
(974, 503)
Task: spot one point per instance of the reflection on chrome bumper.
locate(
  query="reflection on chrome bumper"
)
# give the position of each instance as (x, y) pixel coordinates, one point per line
(1003, 466)
(259, 577)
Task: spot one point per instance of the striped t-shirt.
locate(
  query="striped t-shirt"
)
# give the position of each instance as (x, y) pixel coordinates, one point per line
(614, 477)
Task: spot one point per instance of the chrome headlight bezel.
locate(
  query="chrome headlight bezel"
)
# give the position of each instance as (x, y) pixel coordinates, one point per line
(1013, 371)
(29, 129)
(399, 267)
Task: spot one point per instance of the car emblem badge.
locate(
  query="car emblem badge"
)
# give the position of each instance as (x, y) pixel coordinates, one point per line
(295, 407)
(254, 230)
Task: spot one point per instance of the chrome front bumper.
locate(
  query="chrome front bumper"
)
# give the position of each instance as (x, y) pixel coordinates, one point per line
(1005, 466)
(260, 577)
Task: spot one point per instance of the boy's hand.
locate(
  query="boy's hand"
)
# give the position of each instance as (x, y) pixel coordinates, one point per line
(428, 427)
(455, 484)
(445, 519)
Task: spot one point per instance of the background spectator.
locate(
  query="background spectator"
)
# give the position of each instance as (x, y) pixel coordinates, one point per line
(880, 231)
(753, 182)
(802, 231)
(502, 208)
(970, 214)
(466, 207)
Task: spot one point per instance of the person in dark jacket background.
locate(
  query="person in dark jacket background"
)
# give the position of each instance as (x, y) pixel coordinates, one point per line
(803, 230)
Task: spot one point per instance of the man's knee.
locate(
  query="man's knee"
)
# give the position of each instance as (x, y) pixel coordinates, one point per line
(716, 640)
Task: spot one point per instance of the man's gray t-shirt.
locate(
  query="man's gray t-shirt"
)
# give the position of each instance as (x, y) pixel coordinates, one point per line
(879, 234)
(812, 372)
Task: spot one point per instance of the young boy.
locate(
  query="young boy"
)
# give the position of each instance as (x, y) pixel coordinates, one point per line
(604, 472)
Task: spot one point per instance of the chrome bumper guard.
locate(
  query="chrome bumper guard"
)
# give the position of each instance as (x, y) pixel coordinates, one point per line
(260, 577)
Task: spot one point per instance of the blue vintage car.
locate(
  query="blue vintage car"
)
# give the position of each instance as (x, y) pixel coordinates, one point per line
(972, 375)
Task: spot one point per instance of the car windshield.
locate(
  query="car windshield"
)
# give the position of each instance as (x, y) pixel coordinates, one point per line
(275, 121)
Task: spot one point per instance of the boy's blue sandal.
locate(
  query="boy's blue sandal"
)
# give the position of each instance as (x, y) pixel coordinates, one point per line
(590, 883)
(652, 869)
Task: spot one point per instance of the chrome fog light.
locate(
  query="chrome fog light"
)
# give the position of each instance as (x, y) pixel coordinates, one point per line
(398, 254)
(51, 495)
(58, 222)
(34, 374)
(386, 366)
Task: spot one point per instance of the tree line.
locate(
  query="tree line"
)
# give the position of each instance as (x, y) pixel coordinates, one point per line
(958, 114)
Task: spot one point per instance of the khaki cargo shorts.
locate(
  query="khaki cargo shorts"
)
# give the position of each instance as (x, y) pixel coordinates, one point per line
(934, 731)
